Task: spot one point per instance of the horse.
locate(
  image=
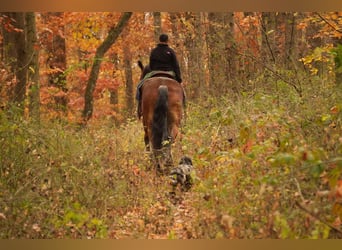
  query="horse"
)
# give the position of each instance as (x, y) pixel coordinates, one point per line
(162, 104)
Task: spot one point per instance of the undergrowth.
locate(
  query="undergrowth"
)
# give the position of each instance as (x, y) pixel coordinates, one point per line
(266, 166)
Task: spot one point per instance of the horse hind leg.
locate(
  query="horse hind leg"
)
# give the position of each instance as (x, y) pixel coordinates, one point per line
(147, 142)
(163, 159)
(168, 158)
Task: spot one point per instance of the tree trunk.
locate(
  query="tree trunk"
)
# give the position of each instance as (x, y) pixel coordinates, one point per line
(290, 58)
(314, 41)
(177, 39)
(268, 37)
(279, 49)
(21, 68)
(195, 45)
(56, 51)
(53, 41)
(33, 65)
(157, 25)
(247, 68)
(114, 94)
(113, 34)
(220, 44)
(129, 79)
(338, 61)
(9, 53)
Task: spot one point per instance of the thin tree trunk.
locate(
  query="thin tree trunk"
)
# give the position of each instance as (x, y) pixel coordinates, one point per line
(290, 38)
(220, 42)
(279, 49)
(176, 43)
(157, 24)
(248, 69)
(33, 65)
(195, 45)
(56, 51)
(129, 79)
(268, 36)
(114, 95)
(9, 53)
(314, 41)
(231, 69)
(338, 61)
(113, 34)
(54, 42)
(21, 69)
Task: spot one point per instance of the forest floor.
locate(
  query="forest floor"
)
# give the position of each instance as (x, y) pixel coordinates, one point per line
(266, 166)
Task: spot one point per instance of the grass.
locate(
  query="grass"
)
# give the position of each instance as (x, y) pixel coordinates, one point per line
(260, 163)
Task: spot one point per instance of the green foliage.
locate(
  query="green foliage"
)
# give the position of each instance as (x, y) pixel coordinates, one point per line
(255, 156)
(337, 53)
(77, 223)
(323, 54)
(282, 152)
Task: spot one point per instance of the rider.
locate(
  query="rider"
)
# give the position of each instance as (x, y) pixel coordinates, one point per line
(162, 58)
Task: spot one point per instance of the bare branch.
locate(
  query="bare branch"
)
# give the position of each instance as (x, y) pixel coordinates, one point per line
(327, 22)
(316, 218)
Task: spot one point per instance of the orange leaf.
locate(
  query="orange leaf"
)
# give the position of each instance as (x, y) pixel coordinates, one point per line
(248, 146)
(136, 170)
(338, 193)
(334, 110)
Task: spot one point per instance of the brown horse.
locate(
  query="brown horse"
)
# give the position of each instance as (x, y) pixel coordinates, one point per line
(162, 106)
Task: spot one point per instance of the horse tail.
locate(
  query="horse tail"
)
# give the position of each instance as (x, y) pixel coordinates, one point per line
(159, 123)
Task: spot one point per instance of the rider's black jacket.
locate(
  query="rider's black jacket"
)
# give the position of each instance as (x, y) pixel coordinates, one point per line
(164, 58)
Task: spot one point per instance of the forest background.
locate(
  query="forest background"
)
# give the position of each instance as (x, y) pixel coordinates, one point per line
(263, 125)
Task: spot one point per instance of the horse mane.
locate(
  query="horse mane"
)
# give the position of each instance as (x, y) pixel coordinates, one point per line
(140, 64)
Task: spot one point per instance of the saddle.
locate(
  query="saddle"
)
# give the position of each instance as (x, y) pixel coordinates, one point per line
(157, 73)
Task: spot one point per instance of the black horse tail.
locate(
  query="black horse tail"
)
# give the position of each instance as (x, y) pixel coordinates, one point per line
(159, 123)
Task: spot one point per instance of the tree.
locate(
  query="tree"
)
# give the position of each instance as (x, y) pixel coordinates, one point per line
(113, 34)
(8, 52)
(220, 48)
(331, 23)
(127, 59)
(114, 95)
(54, 43)
(157, 24)
(195, 46)
(268, 36)
(33, 66)
(248, 34)
(290, 57)
(53, 40)
(15, 54)
(8, 55)
(21, 54)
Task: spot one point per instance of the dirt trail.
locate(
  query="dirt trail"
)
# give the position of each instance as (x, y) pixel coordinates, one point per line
(183, 216)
